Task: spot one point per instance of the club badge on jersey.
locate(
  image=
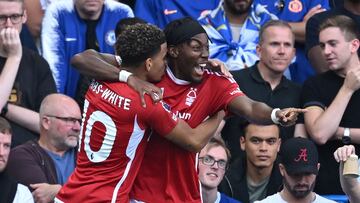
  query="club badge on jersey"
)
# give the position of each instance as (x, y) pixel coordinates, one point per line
(191, 96)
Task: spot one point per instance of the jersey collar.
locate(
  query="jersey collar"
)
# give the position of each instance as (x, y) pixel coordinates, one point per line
(175, 79)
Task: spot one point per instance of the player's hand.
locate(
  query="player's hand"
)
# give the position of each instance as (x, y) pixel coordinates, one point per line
(10, 42)
(44, 192)
(288, 116)
(219, 66)
(144, 87)
(342, 153)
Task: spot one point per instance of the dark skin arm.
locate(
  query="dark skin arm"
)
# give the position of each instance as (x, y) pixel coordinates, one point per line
(104, 67)
(194, 139)
(260, 113)
(96, 65)
(317, 60)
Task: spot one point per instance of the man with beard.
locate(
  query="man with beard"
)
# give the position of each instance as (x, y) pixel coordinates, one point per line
(233, 29)
(299, 167)
(45, 164)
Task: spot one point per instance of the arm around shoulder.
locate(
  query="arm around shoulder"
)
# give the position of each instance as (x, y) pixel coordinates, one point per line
(195, 139)
(96, 65)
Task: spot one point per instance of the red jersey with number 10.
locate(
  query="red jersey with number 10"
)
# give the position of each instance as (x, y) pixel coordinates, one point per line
(113, 137)
(168, 173)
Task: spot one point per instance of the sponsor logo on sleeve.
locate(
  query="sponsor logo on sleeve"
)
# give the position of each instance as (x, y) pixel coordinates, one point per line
(166, 106)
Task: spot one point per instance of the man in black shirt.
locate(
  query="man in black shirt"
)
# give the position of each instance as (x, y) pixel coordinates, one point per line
(265, 81)
(31, 81)
(333, 97)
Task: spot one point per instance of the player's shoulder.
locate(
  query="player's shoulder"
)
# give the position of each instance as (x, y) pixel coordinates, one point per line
(217, 77)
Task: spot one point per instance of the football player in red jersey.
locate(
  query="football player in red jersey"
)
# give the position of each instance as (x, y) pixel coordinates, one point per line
(168, 172)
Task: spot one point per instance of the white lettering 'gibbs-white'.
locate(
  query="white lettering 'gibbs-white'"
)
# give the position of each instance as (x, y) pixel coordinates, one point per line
(110, 96)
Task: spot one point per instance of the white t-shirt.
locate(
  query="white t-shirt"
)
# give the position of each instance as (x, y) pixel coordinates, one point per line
(277, 198)
(23, 194)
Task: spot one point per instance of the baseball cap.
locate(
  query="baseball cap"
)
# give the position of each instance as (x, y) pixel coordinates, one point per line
(299, 156)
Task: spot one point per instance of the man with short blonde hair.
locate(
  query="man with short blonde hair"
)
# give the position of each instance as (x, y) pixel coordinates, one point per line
(213, 163)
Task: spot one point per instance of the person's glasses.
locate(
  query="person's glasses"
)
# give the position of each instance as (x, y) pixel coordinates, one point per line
(14, 18)
(67, 120)
(209, 161)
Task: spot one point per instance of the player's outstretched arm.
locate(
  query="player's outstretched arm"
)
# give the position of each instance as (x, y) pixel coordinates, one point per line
(261, 113)
(195, 139)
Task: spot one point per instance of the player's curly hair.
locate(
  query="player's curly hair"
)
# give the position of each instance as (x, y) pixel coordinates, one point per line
(139, 42)
(123, 23)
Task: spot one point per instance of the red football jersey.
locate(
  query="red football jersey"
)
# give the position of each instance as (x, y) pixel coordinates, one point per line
(169, 173)
(113, 137)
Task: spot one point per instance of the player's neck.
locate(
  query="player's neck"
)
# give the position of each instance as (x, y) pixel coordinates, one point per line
(137, 71)
(175, 70)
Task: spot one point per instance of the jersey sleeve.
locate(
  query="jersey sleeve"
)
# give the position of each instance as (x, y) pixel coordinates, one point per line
(226, 89)
(160, 118)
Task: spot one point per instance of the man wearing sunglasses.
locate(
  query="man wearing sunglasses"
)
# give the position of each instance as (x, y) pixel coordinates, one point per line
(45, 165)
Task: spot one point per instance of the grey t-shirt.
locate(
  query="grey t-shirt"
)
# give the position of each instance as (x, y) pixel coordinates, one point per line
(257, 191)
